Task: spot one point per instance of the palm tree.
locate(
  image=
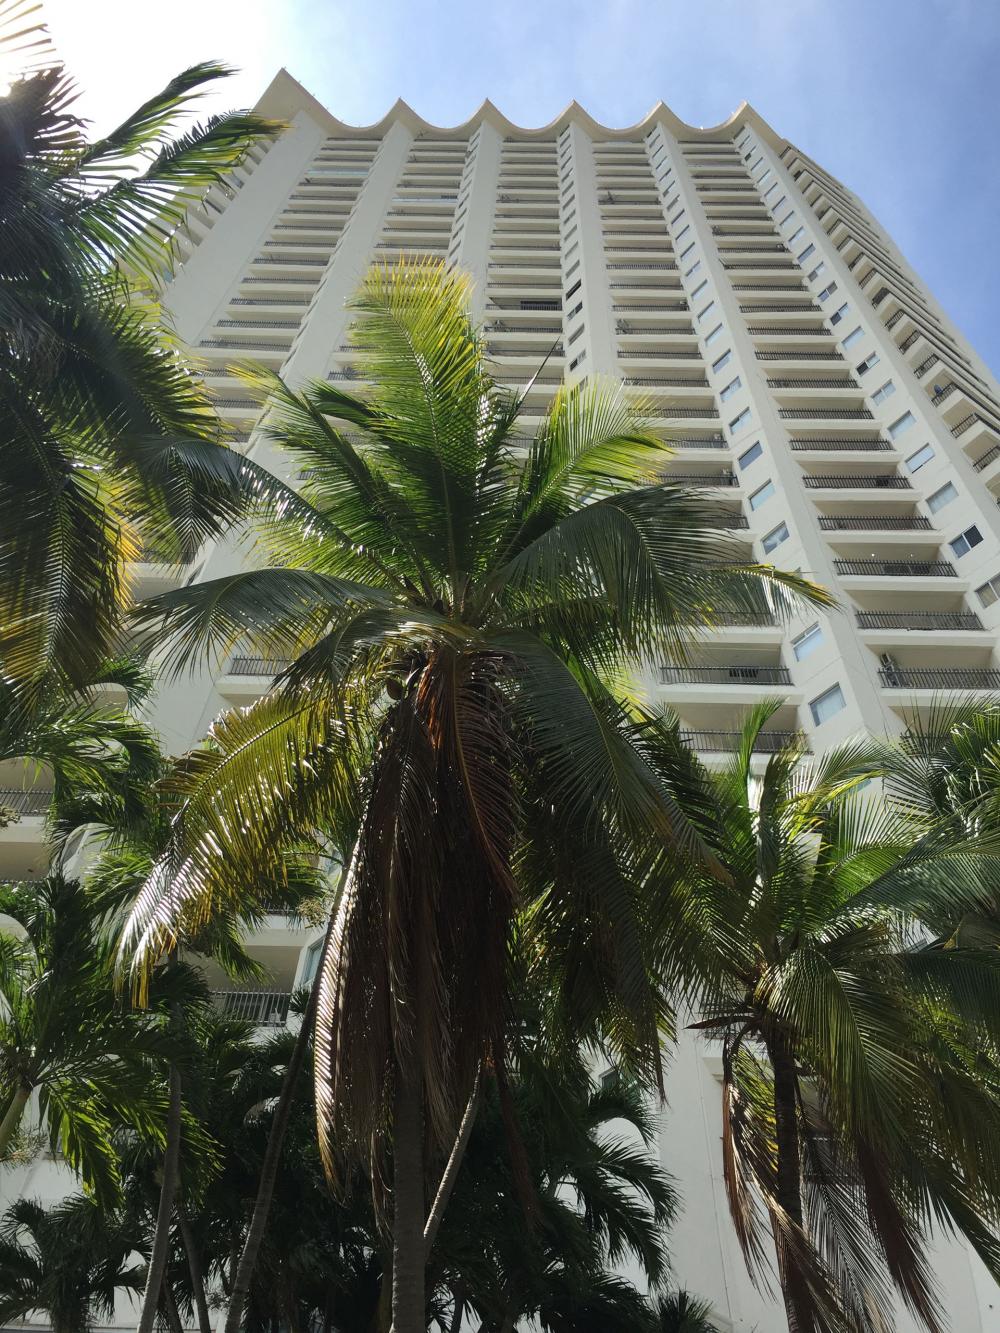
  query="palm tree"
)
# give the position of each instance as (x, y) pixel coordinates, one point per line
(859, 1053)
(680, 1312)
(66, 1037)
(454, 603)
(107, 439)
(70, 1261)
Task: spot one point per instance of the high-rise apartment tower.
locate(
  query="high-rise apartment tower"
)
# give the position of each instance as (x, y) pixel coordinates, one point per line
(798, 365)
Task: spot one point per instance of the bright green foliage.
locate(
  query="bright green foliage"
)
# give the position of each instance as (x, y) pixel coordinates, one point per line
(859, 1044)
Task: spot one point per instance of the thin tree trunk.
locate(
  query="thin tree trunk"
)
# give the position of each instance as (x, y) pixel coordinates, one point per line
(383, 1311)
(170, 1310)
(12, 1117)
(789, 1166)
(459, 1311)
(269, 1172)
(196, 1271)
(450, 1174)
(408, 1297)
(168, 1190)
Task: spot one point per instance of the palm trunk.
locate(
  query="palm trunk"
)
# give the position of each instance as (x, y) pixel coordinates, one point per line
(789, 1166)
(196, 1271)
(168, 1190)
(12, 1117)
(459, 1311)
(451, 1169)
(269, 1172)
(408, 1297)
(170, 1312)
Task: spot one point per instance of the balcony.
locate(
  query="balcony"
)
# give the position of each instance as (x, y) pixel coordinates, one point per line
(912, 569)
(842, 382)
(875, 523)
(825, 413)
(767, 742)
(882, 482)
(921, 621)
(940, 678)
(703, 479)
(846, 444)
(731, 675)
(25, 804)
(263, 1008)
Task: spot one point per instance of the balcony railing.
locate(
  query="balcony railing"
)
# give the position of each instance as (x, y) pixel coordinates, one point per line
(990, 456)
(875, 523)
(918, 620)
(825, 413)
(257, 666)
(897, 568)
(14, 800)
(263, 1008)
(666, 381)
(785, 331)
(744, 619)
(704, 479)
(730, 675)
(968, 421)
(841, 383)
(940, 678)
(767, 742)
(796, 354)
(858, 443)
(886, 482)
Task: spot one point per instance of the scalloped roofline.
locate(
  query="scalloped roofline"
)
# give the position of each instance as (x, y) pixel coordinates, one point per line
(285, 96)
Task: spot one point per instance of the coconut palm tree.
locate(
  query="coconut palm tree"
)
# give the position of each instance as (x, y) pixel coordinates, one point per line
(859, 1046)
(454, 602)
(69, 1261)
(107, 439)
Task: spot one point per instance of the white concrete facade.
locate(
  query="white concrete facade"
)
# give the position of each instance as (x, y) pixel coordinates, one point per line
(791, 354)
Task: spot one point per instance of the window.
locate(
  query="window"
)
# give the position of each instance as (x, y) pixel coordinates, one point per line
(573, 336)
(711, 337)
(703, 313)
(699, 289)
(796, 235)
(989, 592)
(576, 361)
(693, 269)
(575, 311)
(965, 541)
(827, 705)
(943, 497)
(770, 189)
(774, 538)
(764, 177)
(686, 228)
(762, 495)
(750, 455)
(827, 291)
(820, 268)
(610, 1079)
(807, 642)
(686, 251)
(740, 421)
(810, 248)
(901, 425)
(923, 455)
(883, 392)
(839, 313)
(574, 289)
(854, 336)
(777, 205)
(572, 268)
(731, 388)
(787, 218)
(723, 360)
(311, 965)
(870, 360)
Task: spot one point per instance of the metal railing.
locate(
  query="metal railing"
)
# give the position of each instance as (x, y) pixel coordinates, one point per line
(795, 354)
(990, 456)
(263, 1008)
(762, 307)
(841, 383)
(850, 442)
(918, 620)
(744, 619)
(18, 802)
(235, 345)
(767, 742)
(665, 354)
(703, 479)
(875, 523)
(296, 261)
(785, 331)
(896, 568)
(888, 481)
(825, 413)
(971, 420)
(257, 324)
(934, 678)
(666, 381)
(257, 666)
(729, 675)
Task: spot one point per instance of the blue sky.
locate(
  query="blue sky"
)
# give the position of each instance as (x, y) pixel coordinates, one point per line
(898, 98)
